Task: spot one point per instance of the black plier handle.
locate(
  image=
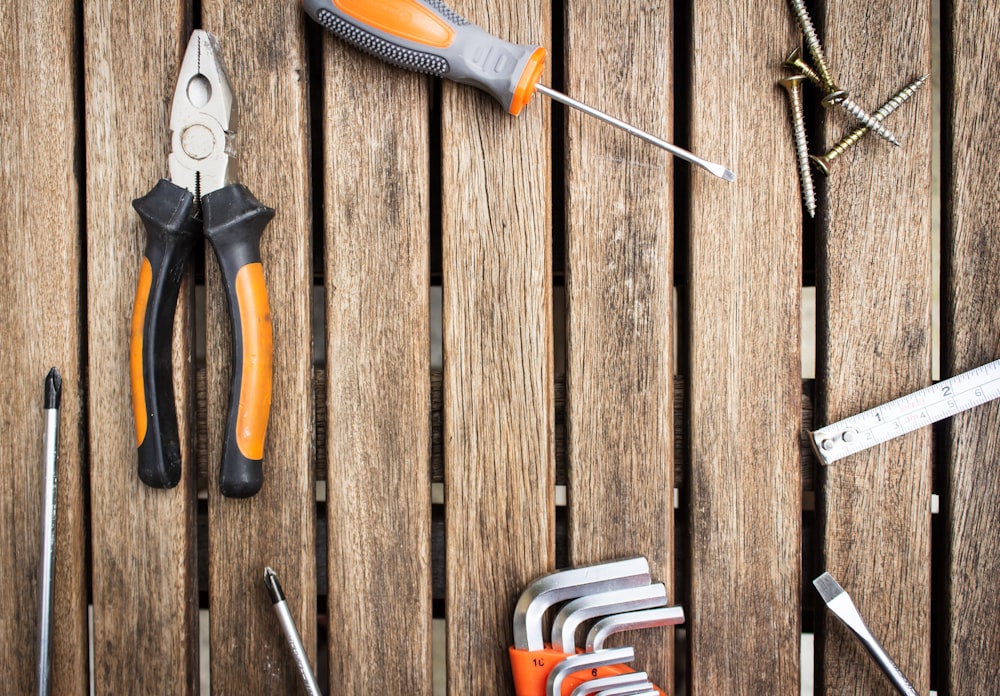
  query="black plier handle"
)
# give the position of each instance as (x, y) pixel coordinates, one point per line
(201, 198)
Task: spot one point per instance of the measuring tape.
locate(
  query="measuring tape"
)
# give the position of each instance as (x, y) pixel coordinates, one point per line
(908, 413)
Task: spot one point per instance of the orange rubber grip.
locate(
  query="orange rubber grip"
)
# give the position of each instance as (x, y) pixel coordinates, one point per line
(405, 19)
(135, 350)
(258, 347)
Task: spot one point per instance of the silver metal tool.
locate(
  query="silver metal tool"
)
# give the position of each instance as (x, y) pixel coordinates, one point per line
(52, 399)
(575, 663)
(288, 627)
(630, 691)
(630, 621)
(574, 613)
(908, 413)
(593, 686)
(711, 167)
(839, 602)
(563, 585)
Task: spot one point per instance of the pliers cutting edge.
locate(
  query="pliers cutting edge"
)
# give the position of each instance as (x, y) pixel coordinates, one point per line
(202, 197)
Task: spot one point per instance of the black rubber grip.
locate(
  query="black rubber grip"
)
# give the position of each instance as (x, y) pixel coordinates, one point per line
(400, 56)
(171, 233)
(233, 223)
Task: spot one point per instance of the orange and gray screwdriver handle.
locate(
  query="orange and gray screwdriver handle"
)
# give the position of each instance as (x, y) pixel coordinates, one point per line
(233, 222)
(427, 36)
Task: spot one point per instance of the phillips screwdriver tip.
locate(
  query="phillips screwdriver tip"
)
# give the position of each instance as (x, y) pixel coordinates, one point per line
(273, 586)
(53, 389)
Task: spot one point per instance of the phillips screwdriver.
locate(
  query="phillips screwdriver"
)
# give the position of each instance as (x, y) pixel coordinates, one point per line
(291, 633)
(52, 398)
(427, 36)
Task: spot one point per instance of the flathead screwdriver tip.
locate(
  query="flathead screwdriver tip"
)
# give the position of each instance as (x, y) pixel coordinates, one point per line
(53, 389)
(713, 168)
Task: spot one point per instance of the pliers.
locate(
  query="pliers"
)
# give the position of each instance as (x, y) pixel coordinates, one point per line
(202, 198)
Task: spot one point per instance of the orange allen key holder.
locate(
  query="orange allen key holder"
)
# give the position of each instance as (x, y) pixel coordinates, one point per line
(620, 596)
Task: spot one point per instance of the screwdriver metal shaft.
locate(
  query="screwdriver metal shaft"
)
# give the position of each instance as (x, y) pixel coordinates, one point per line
(711, 167)
(291, 633)
(51, 401)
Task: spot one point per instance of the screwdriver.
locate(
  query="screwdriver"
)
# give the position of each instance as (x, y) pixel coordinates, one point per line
(427, 36)
(51, 401)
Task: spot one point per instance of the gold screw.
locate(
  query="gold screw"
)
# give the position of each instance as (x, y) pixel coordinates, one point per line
(812, 43)
(839, 97)
(793, 85)
(822, 162)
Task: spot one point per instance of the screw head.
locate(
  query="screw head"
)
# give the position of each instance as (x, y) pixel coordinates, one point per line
(793, 57)
(835, 97)
(790, 83)
(819, 164)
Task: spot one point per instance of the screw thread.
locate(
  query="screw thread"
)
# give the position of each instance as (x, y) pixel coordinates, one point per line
(883, 111)
(901, 96)
(813, 44)
(794, 88)
(794, 60)
(873, 124)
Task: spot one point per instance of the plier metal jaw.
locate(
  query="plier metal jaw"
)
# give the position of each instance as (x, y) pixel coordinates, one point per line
(203, 120)
(202, 198)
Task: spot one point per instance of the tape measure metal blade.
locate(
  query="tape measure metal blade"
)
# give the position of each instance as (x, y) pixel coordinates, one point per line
(907, 413)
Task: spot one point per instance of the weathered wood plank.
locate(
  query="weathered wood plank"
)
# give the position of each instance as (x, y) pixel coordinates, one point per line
(970, 334)
(874, 301)
(142, 540)
(743, 351)
(40, 241)
(375, 130)
(619, 270)
(264, 47)
(497, 359)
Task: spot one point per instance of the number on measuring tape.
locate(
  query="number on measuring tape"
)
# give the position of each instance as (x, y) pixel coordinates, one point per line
(907, 413)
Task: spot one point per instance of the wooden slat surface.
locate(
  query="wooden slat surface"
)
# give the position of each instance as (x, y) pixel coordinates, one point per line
(874, 302)
(743, 350)
(376, 131)
(142, 540)
(971, 337)
(497, 359)
(40, 233)
(619, 205)
(264, 49)
(72, 169)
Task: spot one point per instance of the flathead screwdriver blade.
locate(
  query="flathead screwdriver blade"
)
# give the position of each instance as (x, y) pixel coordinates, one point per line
(711, 167)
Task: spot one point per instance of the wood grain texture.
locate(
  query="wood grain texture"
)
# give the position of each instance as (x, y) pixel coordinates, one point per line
(619, 212)
(40, 233)
(970, 334)
(497, 315)
(375, 131)
(143, 540)
(264, 49)
(874, 301)
(743, 351)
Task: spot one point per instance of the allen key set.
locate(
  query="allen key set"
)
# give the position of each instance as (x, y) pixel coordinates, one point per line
(833, 95)
(621, 596)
